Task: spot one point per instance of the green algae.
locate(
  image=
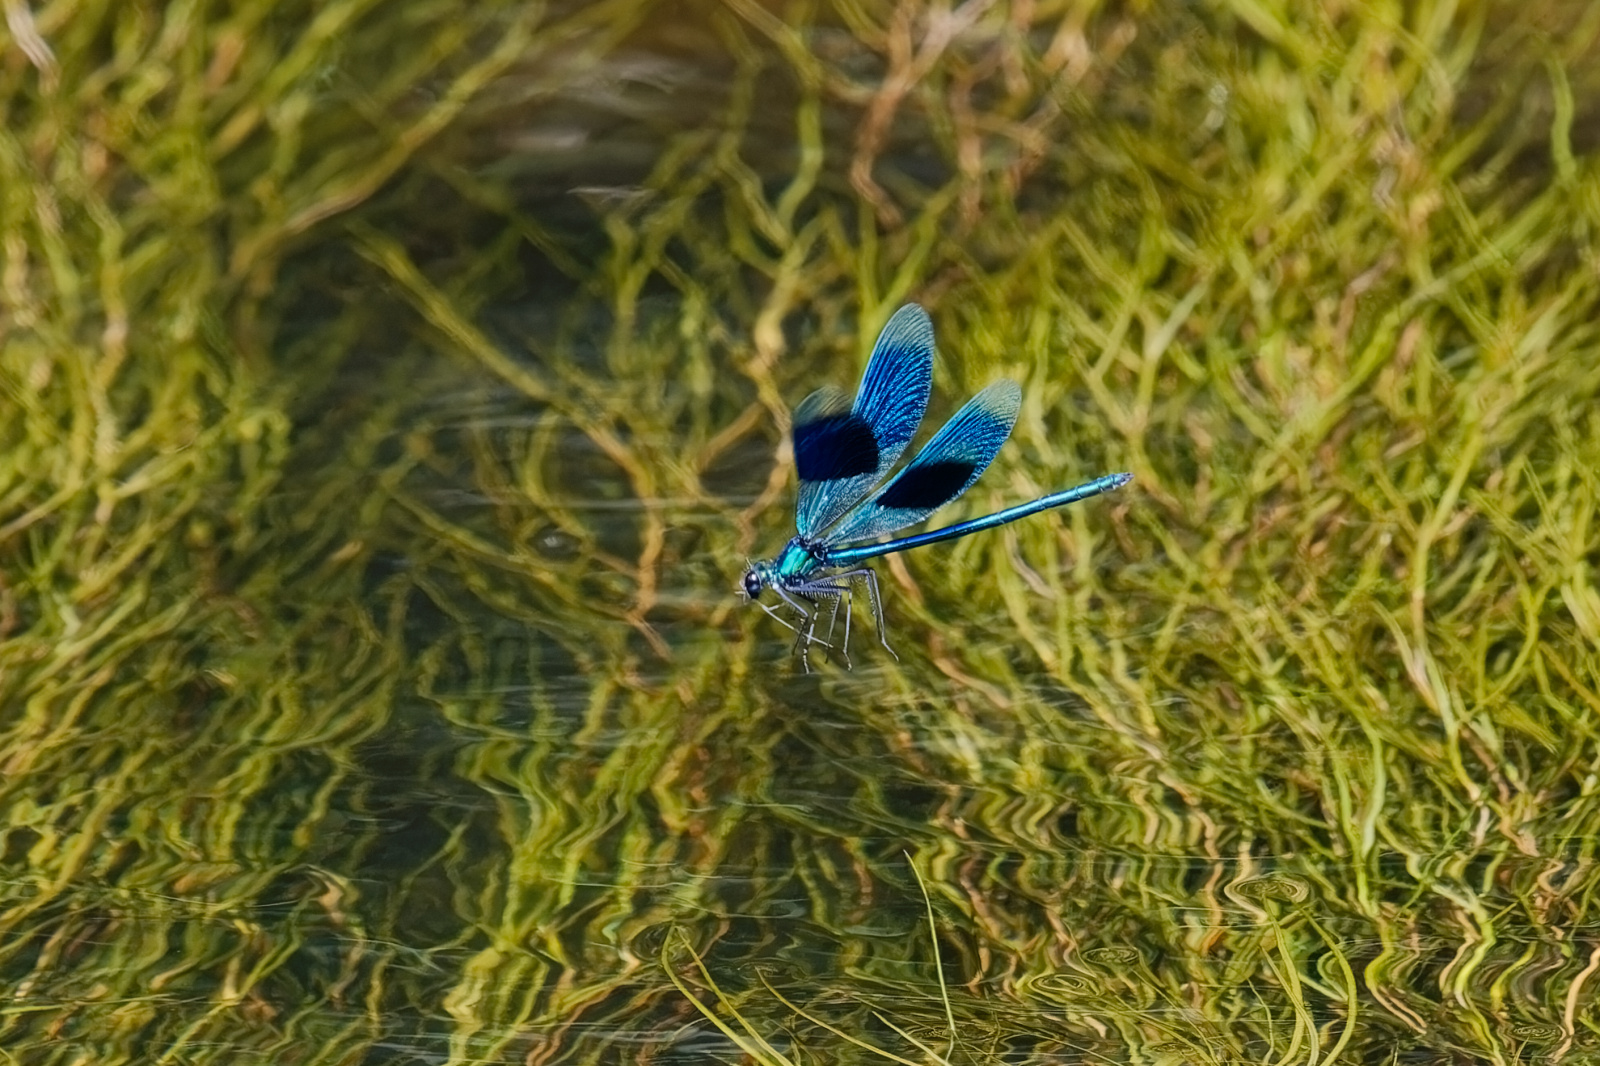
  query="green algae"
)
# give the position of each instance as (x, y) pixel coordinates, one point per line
(393, 393)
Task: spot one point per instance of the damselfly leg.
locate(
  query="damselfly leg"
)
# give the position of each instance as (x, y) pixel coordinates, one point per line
(841, 587)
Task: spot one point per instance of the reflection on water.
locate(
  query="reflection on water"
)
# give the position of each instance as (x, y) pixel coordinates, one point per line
(395, 393)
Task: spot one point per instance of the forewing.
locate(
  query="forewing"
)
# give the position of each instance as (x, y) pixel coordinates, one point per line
(946, 467)
(839, 454)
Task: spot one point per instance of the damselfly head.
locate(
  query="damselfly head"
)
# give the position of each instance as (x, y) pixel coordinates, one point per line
(753, 583)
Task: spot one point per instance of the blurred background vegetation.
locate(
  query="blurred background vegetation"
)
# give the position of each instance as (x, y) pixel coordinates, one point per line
(392, 390)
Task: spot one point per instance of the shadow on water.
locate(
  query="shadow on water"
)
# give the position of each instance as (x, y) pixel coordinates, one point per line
(394, 395)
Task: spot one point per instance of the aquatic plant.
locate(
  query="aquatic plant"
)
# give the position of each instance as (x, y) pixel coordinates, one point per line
(391, 393)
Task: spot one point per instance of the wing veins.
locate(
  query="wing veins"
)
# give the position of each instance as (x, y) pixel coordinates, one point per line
(848, 454)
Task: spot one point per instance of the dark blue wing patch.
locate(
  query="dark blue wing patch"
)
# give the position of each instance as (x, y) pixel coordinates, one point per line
(833, 447)
(927, 486)
(946, 467)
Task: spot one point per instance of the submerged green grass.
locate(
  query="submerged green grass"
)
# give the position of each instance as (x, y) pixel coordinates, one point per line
(393, 392)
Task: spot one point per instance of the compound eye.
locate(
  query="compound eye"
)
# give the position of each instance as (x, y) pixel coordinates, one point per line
(752, 584)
